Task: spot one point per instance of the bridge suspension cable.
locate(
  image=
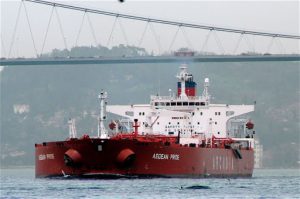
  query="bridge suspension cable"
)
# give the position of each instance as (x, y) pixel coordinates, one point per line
(31, 34)
(47, 30)
(80, 28)
(15, 30)
(61, 28)
(174, 23)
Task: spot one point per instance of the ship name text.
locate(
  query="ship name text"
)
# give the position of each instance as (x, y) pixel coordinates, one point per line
(46, 156)
(161, 156)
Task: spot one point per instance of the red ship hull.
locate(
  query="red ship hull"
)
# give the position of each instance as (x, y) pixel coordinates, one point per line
(134, 158)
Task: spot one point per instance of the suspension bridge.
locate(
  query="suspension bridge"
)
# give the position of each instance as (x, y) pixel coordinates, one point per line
(165, 48)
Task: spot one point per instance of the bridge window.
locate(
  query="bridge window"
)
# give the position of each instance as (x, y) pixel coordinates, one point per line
(197, 103)
(202, 103)
(185, 103)
(179, 103)
(229, 113)
(129, 113)
(192, 103)
(173, 103)
(162, 104)
(156, 104)
(168, 104)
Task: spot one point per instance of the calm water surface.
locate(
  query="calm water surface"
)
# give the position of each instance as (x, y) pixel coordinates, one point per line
(21, 183)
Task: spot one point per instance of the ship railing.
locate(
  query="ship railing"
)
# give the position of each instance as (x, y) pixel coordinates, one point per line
(244, 142)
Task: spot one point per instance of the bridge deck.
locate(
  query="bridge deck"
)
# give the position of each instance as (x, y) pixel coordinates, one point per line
(153, 59)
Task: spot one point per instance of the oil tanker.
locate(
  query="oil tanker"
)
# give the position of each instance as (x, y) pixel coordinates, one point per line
(177, 135)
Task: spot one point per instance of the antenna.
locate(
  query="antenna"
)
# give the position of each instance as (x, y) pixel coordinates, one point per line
(170, 92)
(158, 75)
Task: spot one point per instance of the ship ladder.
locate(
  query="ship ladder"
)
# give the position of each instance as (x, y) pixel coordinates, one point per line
(237, 153)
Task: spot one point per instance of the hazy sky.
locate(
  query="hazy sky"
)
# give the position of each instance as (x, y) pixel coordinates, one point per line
(270, 16)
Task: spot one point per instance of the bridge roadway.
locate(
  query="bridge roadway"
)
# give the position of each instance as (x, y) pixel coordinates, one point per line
(146, 59)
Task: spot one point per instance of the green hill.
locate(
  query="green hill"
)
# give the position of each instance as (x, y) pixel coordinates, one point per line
(50, 95)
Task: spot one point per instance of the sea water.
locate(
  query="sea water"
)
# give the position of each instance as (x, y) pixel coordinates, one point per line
(265, 183)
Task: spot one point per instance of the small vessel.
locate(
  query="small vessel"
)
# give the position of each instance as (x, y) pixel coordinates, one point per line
(182, 135)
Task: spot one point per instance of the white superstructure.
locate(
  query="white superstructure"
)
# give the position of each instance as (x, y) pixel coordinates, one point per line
(188, 115)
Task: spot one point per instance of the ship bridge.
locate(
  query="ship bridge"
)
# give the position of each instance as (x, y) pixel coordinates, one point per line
(178, 103)
(185, 114)
(186, 99)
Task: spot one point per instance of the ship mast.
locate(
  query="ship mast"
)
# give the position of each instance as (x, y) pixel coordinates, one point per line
(72, 128)
(205, 91)
(102, 132)
(183, 77)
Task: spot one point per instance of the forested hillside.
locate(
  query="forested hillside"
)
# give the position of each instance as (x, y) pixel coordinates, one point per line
(37, 101)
